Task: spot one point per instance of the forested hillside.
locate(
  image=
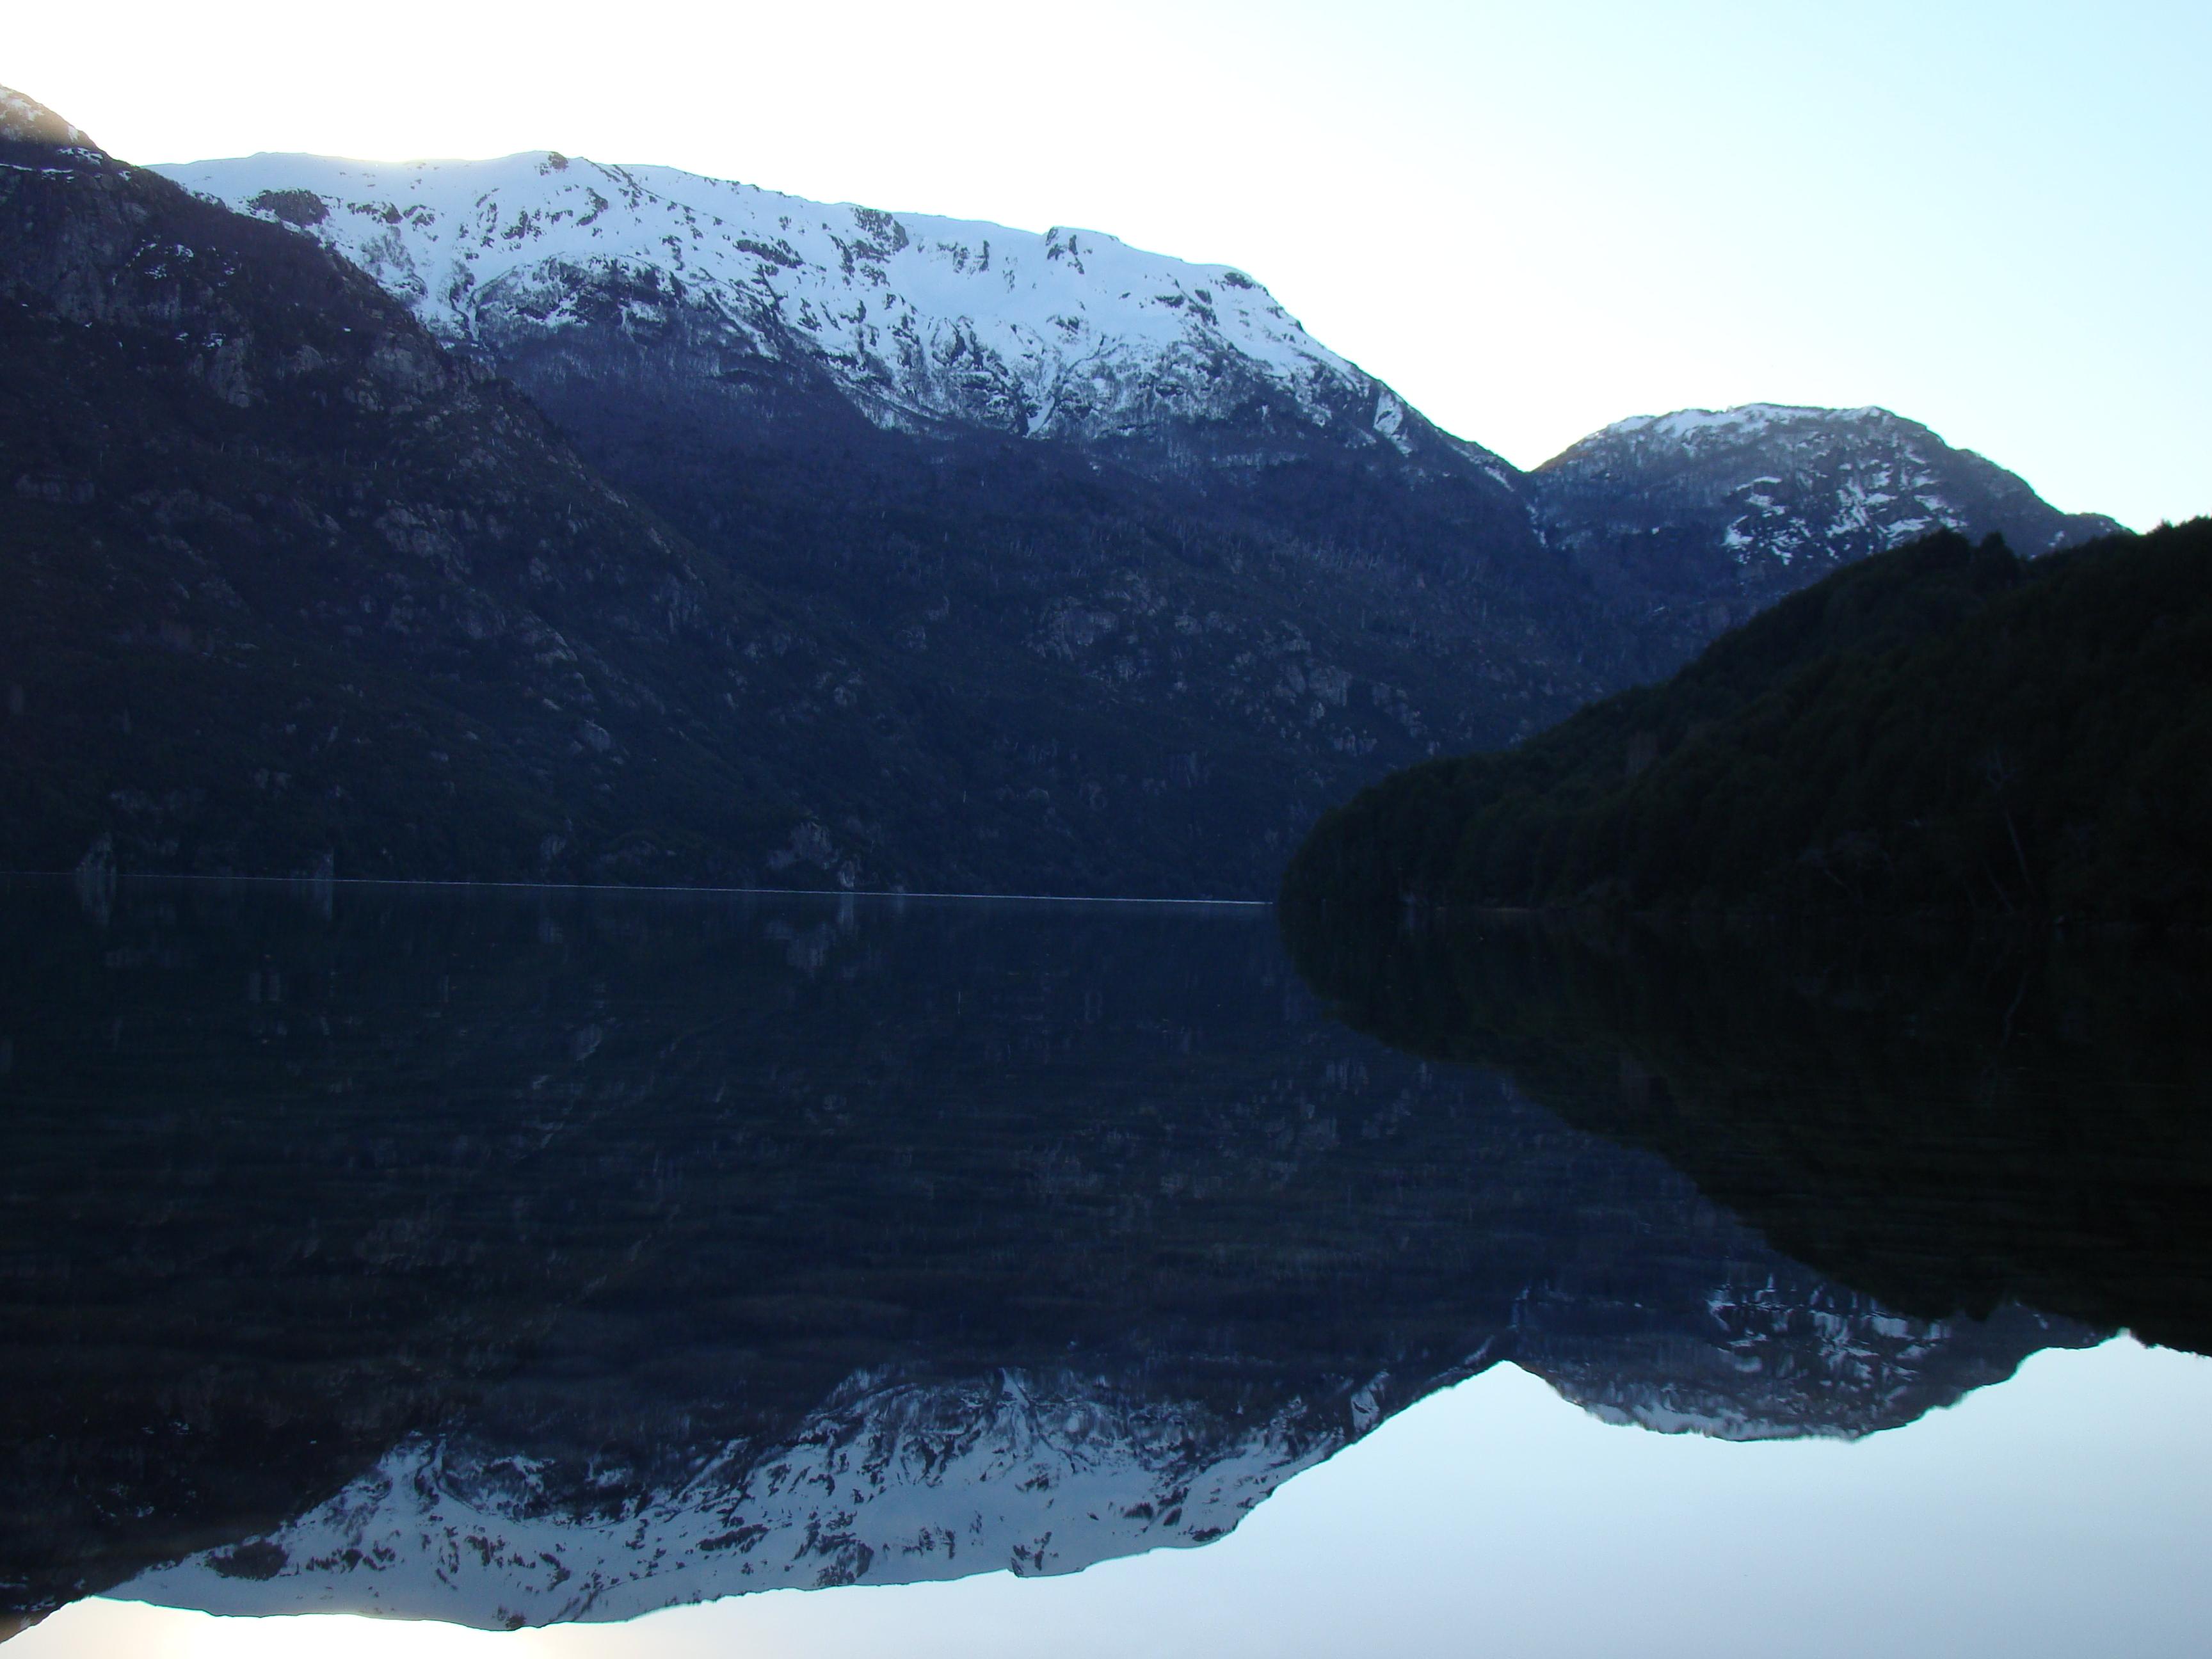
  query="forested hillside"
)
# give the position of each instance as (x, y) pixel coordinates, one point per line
(1943, 729)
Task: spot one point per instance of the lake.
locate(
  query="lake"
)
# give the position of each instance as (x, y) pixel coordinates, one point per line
(654, 1273)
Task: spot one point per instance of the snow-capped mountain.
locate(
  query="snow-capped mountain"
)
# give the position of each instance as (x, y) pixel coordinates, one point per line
(893, 1481)
(1702, 517)
(989, 560)
(730, 324)
(919, 322)
(888, 1482)
(961, 658)
(25, 121)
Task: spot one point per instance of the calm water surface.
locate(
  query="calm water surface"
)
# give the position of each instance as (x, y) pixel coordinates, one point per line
(654, 1274)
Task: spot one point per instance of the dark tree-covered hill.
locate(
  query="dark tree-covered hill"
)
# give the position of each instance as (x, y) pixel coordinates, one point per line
(1943, 729)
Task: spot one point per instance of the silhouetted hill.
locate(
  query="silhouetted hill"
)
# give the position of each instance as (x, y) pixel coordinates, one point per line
(1944, 729)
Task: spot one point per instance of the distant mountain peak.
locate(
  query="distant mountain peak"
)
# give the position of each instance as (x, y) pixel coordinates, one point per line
(24, 120)
(1699, 518)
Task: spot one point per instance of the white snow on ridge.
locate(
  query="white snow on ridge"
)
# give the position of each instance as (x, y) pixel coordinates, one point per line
(917, 318)
(1843, 481)
(888, 1483)
(1693, 427)
(26, 121)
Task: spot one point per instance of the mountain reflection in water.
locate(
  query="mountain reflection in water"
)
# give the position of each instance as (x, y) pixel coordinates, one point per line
(514, 1258)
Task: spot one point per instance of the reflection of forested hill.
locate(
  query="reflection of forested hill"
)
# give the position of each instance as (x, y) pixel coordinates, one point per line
(1945, 1122)
(557, 1213)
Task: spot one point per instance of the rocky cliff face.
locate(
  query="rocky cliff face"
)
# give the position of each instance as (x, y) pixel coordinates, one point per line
(921, 323)
(717, 306)
(292, 581)
(746, 330)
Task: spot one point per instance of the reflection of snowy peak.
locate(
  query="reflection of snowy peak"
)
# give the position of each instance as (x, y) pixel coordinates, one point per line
(887, 1482)
(918, 321)
(1779, 1362)
(891, 1481)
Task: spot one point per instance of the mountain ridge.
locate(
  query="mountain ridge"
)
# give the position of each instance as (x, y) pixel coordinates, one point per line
(1178, 369)
(1114, 608)
(919, 319)
(236, 457)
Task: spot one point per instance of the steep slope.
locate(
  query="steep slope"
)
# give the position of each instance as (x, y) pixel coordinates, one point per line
(290, 584)
(302, 587)
(920, 322)
(692, 333)
(782, 377)
(919, 414)
(945, 557)
(1698, 520)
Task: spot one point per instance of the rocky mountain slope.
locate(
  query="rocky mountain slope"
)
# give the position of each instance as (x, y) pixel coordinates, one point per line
(921, 323)
(634, 527)
(304, 586)
(717, 305)
(290, 582)
(299, 585)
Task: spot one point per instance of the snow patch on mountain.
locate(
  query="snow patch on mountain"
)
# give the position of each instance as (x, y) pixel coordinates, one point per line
(1694, 428)
(917, 320)
(888, 1482)
(1701, 517)
(1772, 1363)
(26, 121)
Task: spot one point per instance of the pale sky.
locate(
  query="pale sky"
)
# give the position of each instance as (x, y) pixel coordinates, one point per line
(1531, 220)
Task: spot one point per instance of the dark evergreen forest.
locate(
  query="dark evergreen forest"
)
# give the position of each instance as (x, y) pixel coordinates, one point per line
(1946, 729)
